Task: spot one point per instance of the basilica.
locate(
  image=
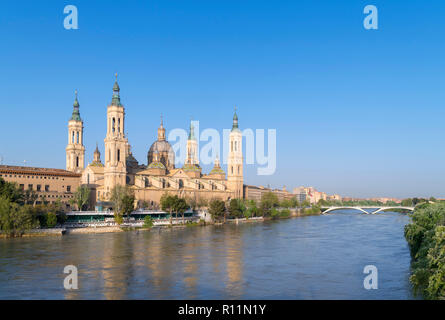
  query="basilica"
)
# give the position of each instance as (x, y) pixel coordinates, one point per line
(160, 175)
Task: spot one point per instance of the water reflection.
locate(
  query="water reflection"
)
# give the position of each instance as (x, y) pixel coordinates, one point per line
(320, 257)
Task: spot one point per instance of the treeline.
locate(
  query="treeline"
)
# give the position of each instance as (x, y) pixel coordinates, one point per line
(268, 207)
(20, 213)
(426, 239)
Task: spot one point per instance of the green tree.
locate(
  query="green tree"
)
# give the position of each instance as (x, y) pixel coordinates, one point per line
(148, 221)
(51, 220)
(11, 191)
(426, 239)
(15, 219)
(269, 200)
(217, 209)
(167, 205)
(236, 208)
(180, 206)
(122, 198)
(81, 197)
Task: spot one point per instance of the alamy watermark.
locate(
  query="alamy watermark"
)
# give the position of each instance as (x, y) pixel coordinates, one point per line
(371, 281)
(371, 21)
(71, 280)
(71, 21)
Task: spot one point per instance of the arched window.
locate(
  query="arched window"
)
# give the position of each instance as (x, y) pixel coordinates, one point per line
(118, 155)
(147, 184)
(77, 136)
(119, 125)
(88, 178)
(181, 184)
(77, 161)
(73, 138)
(114, 125)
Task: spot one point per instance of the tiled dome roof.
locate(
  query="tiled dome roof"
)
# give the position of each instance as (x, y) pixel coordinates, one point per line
(156, 165)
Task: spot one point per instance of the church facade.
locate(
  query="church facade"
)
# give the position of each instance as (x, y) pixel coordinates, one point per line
(160, 175)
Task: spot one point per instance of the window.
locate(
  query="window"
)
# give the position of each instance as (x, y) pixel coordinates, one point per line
(77, 136)
(119, 125)
(68, 188)
(114, 125)
(118, 155)
(77, 161)
(29, 186)
(22, 187)
(39, 187)
(231, 168)
(72, 138)
(46, 188)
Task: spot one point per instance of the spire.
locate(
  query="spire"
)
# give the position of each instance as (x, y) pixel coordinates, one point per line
(192, 131)
(76, 114)
(161, 131)
(217, 163)
(235, 121)
(96, 157)
(116, 100)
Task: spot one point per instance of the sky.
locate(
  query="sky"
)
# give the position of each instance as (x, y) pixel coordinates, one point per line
(357, 112)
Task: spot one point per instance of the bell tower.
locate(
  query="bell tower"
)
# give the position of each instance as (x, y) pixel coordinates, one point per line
(192, 147)
(75, 151)
(115, 170)
(235, 160)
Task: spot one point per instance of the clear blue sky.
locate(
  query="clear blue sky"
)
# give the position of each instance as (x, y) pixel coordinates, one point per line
(357, 112)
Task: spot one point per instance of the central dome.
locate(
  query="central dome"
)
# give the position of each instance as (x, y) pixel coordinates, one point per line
(164, 151)
(161, 150)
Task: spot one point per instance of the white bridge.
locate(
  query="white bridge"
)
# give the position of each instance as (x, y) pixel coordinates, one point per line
(376, 209)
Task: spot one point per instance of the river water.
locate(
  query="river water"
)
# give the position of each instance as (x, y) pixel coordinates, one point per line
(315, 257)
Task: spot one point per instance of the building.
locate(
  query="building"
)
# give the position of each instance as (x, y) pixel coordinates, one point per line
(150, 181)
(49, 185)
(312, 195)
(256, 193)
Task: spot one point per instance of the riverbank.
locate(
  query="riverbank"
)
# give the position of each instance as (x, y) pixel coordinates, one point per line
(92, 229)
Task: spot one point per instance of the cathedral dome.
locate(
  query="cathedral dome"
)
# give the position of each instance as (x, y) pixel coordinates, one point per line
(161, 150)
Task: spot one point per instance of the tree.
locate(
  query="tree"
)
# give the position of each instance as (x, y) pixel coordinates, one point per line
(269, 200)
(128, 204)
(217, 208)
(51, 220)
(81, 197)
(148, 221)
(167, 205)
(30, 197)
(11, 191)
(407, 202)
(122, 198)
(180, 206)
(252, 209)
(426, 239)
(305, 204)
(236, 208)
(15, 219)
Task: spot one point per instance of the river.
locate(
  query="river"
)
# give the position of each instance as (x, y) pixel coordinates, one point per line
(315, 257)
